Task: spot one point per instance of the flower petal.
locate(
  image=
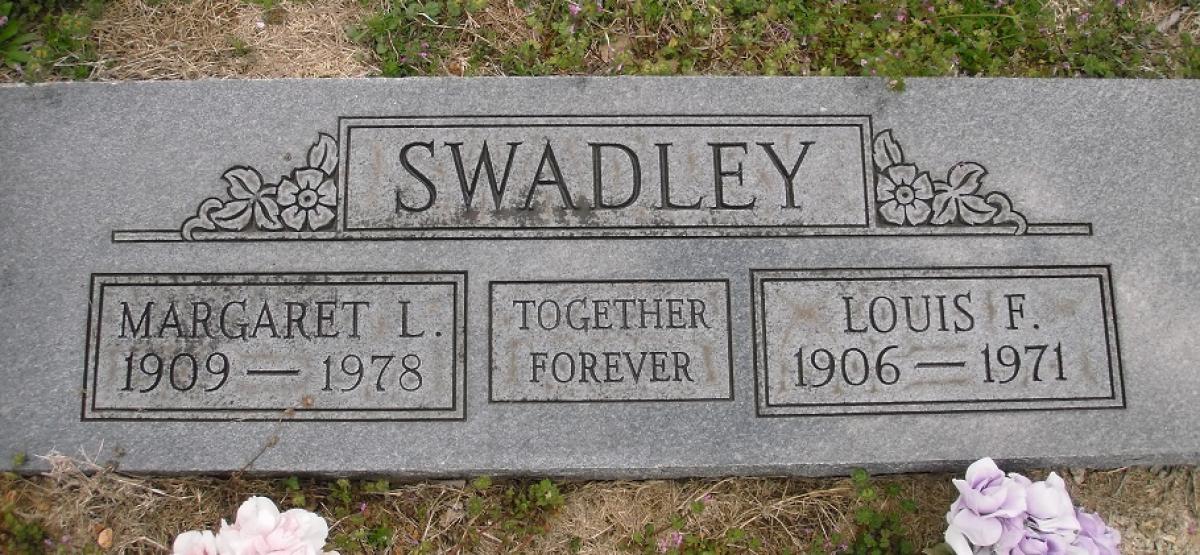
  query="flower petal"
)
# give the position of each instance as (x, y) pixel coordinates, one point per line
(310, 529)
(903, 174)
(309, 178)
(287, 192)
(923, 187)
(1051, 508)
(984, 469)
(957, 541)
(980, 531)
(885, 189)
(195, 543)
(1014, 501)
(257, 516)
(1044, 501)
(327, 193)
(917, 212)
(230, 540)
(294, 217)
(319, 216)
(1014, 532)
(892, 212)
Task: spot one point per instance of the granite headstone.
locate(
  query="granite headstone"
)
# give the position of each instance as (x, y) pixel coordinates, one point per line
(599, 277)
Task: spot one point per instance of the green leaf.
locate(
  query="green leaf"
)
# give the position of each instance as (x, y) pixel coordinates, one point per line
(18, 56)
(10, 30)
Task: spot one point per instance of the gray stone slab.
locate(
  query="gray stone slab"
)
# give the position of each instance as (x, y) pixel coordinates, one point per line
(640, 278)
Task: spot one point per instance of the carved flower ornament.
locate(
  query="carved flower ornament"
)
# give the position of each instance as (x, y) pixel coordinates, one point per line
(906, 196)
(304, 201)
(307, 199)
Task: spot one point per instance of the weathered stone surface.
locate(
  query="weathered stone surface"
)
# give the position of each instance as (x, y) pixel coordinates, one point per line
(641, 277)
(934, 340)
(322, 346)
(613, 340)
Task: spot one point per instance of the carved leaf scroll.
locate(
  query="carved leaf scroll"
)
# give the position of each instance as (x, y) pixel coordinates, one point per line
(903, 197)
(305, 201)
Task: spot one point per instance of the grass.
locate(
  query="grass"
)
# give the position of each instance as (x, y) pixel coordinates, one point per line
(48, 38)
(891, 38)
(144, 39)
(78, 507)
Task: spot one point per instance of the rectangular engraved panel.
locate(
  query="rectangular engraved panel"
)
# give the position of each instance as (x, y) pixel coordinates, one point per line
(612, 340)
(314, 346)
(869, 341)
(560, 176)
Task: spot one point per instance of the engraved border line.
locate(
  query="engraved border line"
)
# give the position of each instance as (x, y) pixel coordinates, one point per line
(791, 410)
(91, 358)
(725, 282)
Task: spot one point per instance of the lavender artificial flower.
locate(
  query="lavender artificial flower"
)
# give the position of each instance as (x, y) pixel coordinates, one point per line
(990, 508)
(1050, 508)
(1035, 543)
(1095, 537)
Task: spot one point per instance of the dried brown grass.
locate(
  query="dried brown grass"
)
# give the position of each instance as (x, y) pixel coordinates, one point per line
(81, 504)
(194, 39)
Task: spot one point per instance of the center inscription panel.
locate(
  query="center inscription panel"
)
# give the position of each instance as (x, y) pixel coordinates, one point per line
(616, 340)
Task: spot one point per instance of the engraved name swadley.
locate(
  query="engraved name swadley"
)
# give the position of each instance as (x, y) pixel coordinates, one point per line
(329, 346)
(610, 176)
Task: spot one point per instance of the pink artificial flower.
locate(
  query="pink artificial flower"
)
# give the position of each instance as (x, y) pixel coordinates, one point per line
(260, 529)
(195, 543)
